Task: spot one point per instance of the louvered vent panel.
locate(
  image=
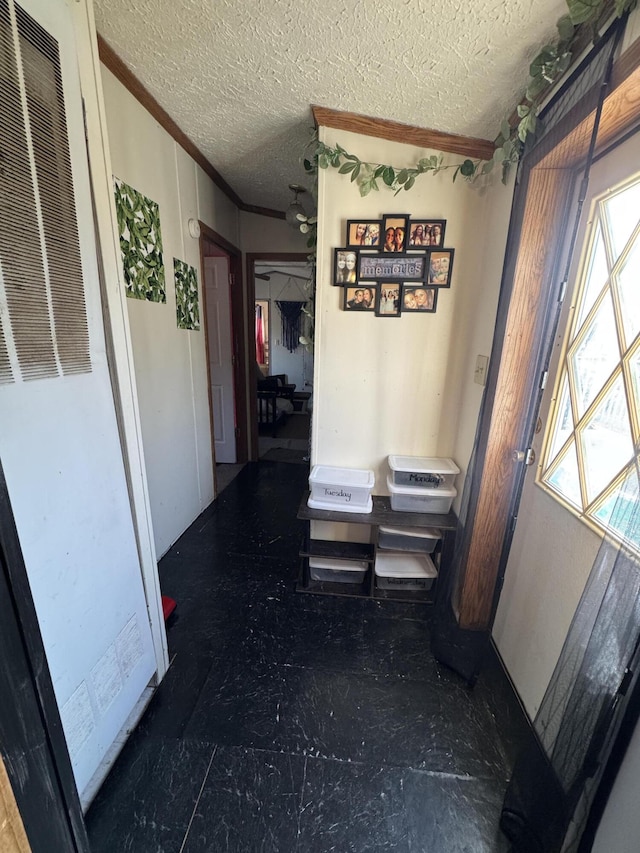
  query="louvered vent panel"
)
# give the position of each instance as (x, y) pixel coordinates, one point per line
(45, 324)
(43, 82)
(6, 374)
(20, 253)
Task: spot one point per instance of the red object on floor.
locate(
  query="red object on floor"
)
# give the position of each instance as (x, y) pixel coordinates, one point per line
(168, 606)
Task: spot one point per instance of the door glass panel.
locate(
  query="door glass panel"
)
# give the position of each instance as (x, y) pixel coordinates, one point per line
(565, 477)
(563, 426)
(596, 356)
(620, 510)
(634, 369)
(627, 284)
(597, 274)
(606, 440)
(622, 217)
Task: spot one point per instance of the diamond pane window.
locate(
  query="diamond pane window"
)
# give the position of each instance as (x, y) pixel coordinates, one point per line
(596, 277)
(619, 510)
(595, 357)
(622, 215)
(634, 368)
(563, 426)
(627, 282)
(606, 440)
(566, 478)
(595, 413)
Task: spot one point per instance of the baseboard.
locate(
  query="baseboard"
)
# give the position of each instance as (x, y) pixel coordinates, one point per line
(504, 669)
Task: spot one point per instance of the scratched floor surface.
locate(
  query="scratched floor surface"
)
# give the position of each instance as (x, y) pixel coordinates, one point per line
(301, 723)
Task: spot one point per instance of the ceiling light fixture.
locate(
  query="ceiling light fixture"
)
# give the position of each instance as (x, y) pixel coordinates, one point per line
(295, 207)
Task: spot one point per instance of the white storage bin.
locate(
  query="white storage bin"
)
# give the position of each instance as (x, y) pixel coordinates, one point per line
(337, 571)
(421, 539)
(341, 489)
(410, 499)
(404, 571)
(426, 472)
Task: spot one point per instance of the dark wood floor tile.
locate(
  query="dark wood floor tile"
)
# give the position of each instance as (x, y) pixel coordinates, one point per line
(250, 802)
(452, 815)
(148, 799)
(352, 808)
(239, 705)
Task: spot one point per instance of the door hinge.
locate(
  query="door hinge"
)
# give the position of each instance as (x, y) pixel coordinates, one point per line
(543, 380)
(563, 290)
(232, 279)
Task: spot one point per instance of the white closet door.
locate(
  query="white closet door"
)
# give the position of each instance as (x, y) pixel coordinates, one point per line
(59, 439)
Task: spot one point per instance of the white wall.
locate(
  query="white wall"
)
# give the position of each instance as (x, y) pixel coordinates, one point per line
(268, 234)
(297, 365)
(170, 363)
(404, 385)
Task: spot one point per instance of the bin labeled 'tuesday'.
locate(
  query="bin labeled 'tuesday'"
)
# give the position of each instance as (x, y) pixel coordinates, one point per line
(341, 489)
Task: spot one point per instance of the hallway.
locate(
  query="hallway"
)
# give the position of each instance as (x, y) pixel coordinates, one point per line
(303, 723)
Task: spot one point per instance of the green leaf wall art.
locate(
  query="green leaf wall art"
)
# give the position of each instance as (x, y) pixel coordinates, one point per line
(140, 244)
(186, 295)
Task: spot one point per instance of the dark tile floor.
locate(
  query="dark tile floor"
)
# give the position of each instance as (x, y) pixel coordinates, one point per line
(301, 723)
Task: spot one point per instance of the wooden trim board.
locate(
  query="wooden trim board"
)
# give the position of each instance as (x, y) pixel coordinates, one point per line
(394, 131)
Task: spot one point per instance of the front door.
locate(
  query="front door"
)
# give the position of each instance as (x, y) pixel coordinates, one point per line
(589, 423)
(220, 347)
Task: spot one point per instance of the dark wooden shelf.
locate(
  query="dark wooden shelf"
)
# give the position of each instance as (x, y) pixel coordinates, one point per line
(381, 514)
(415, 596)
(337, 550)
(351, 590)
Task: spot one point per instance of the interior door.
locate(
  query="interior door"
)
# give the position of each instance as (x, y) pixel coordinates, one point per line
(220, 344)
(59, 439)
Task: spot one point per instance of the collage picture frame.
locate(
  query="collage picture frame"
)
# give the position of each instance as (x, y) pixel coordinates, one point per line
(394, 265)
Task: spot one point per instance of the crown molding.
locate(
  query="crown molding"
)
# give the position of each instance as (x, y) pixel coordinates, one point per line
(394, 131)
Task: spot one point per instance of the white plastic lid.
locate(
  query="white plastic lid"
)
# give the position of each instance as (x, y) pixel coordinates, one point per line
(356, 509)
(333, 563)
(391, 564)
(418, 491)
(423, 464)
(342, 476)
(421, 532)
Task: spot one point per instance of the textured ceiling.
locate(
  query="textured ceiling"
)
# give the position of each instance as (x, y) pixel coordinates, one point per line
(239, 77)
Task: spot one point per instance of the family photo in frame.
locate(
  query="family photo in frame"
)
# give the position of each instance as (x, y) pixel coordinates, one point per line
(388, 301)
(363, 232)
(426, 233)
(394, 232)
(393, 265)
(345, 267)
(418, 299)
(360, 298)
(440, 266)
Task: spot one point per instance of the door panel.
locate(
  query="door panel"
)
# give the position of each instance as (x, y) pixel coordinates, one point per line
(60, 445)
(216, 276)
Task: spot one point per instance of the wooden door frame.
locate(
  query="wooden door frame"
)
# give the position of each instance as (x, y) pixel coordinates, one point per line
(34, 749)
(238, 343)
(528, 294)
(251, 259)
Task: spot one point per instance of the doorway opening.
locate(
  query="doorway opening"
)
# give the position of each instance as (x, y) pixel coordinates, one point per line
(224, 322)
(281, 292)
